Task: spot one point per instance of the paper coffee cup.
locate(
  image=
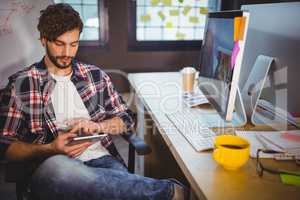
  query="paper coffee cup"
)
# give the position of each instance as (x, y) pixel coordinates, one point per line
(188, 78)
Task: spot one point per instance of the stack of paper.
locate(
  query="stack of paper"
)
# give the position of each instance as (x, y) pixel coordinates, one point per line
(287, 142)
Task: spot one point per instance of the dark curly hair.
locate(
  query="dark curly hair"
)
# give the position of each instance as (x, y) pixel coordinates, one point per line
(57, 19)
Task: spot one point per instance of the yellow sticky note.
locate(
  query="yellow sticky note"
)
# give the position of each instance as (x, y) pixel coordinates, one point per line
(203, 10)
(161, 15)
(180, 36)
(194, 19)
(174, 12)
(242, 28)
(145, 18)
(169, 25)
(239, 28)
(186, 10)
(154, 2)
(167, 2)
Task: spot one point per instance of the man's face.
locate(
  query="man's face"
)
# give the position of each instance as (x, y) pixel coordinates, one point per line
(62, 50)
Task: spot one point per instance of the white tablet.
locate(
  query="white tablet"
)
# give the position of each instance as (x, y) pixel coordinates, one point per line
(89, 137)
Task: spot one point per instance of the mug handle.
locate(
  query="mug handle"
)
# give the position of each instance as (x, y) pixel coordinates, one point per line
(216, 154)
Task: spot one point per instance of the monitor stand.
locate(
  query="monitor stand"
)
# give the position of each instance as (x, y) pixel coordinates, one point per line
(214, 120)
(245, 107)
(253, 88)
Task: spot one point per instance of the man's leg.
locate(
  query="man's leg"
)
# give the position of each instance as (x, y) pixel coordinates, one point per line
(60, 177)
(107, 161)
(111, 162)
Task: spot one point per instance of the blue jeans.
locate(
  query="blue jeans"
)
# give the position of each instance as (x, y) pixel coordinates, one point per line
(60, 177)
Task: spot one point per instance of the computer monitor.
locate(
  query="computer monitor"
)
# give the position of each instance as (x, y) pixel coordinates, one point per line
(274, 31)
(221, 58)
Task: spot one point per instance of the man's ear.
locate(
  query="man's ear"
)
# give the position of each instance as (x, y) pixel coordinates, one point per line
(43, 41)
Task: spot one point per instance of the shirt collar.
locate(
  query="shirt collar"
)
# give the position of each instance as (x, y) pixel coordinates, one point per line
(76, 75)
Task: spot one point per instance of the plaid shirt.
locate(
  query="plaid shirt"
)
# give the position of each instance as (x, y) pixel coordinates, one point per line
(27, 114)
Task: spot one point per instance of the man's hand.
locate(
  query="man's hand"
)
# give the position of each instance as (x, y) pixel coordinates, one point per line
(20, 151)
(84, 125)
(60, 144)
(114, 126)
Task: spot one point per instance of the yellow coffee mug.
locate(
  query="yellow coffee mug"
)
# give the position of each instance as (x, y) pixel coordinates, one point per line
(231, 151)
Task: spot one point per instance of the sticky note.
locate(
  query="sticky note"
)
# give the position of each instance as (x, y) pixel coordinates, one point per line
(242, 28)
(194, 19)
(161, 15)
(290, 179)
(145, 18)
(180, 36)
(235, 52)
(154, 2)
(186, 10)
(169, 25)
(167, 2)
(239, 28)
(174, 12)
(203, 10)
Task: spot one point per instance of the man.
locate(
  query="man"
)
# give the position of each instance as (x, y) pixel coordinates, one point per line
(60, 90)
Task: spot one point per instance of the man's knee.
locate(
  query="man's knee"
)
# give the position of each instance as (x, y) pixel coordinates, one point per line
(56, 160)
(58, 168)
(55, 163)
(58, 175)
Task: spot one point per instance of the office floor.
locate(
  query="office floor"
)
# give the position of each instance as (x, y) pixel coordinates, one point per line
(7, 190)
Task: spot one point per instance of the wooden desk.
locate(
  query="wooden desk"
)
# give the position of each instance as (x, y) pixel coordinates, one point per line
(159, 93)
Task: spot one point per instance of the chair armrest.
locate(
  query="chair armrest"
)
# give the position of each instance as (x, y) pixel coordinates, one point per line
(15, 171)
(139, 145)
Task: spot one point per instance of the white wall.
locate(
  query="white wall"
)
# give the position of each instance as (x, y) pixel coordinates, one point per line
(19, 37)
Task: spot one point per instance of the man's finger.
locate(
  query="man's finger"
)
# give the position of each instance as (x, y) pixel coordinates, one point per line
(77, 146)
(75, 155)
(77, 152)
(93, 130)
(74, 121)
(75, 129)
(68, 135)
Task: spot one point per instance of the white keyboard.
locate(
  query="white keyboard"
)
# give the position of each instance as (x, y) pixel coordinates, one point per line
(190, 126)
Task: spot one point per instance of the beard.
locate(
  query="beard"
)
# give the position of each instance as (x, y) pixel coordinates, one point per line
(54, 59)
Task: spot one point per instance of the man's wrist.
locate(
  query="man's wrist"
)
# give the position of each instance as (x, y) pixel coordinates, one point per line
(49, 149)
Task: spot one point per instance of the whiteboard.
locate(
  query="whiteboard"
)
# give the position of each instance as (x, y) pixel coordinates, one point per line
(19, 37)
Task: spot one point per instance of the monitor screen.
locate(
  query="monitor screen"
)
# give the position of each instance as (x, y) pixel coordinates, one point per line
(221, 54)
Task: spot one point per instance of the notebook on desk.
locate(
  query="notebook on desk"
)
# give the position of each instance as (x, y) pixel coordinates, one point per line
(287, 142)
